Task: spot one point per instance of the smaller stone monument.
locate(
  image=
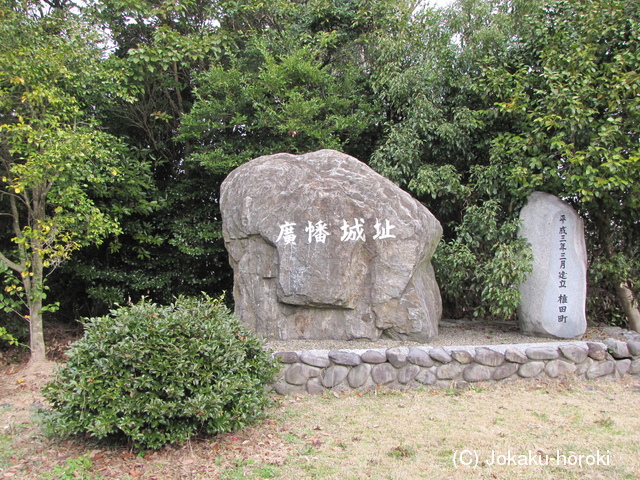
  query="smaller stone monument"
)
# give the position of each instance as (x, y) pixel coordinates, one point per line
(555, 292)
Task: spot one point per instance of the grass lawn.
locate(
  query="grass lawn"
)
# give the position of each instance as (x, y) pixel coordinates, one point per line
(564, 429)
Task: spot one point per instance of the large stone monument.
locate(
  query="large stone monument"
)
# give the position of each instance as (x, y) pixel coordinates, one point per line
(322, 247)
(555, 292)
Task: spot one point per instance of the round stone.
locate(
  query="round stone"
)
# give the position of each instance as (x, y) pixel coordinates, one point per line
(596, 351)
(489, 357)
(505, 371)
(574, 353)
(408, 373)
(314, 387)
(284, 388)
(617, 348)
(462, 356)
(396, 357)
(515, 356)
(374, 356)
(286, 357)
(440, 354)
(623, 366)
(426, 376)
(449, 371)
(531, 369)
(299, 373)
(333, 375)
(542, 353)
(476, 373)
(383, 373)
(555, 368)
(313, 359)
(634, 347)
(340, 357)
(420, 357)
(582, 367)
(358, 375)
(600, 369)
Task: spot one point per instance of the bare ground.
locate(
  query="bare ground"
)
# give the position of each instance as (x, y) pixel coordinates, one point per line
(531, 430)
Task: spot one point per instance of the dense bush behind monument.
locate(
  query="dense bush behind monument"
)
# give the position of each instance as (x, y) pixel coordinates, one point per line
(469, 108)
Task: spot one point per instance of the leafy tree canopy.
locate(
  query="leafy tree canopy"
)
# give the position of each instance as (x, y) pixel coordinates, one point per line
(571, 94)
(55, 158)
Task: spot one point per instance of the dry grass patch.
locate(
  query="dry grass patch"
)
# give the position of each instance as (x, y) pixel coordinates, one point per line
(420, 434)
(388, 435)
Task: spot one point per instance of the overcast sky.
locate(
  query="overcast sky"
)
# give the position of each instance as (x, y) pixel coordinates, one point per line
(439, 3)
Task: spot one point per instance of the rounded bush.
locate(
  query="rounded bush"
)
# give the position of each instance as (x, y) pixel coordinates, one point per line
(154, 375)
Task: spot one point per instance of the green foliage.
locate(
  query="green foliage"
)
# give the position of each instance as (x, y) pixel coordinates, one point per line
(55, 160)
(160, 374)
(176, 250)
(491, 100)
(469, 107)
(425, 73)
(296, 85)
(480, 269)
(437, 144)
(175, 247)
(570, 92)
(601, 301)
(574, 103)
(80, 467)
(7, 337)
(293, 104)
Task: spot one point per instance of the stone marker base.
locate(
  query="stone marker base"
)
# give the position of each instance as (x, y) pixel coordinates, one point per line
(320, 371)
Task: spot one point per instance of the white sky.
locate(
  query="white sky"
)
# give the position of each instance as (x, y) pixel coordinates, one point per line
(439, 3)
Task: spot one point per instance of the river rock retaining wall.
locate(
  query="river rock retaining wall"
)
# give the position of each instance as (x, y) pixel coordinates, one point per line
(321, 371)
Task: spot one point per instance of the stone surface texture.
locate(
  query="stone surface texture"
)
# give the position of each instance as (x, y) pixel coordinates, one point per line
(596, 351)
(349, 359)
(505, 371)
(617, 348)
(542, 353)
(574, 353)
(374, 356)
(633, 347)
(476, 373)
(359, 375)
(314, 359)
(554, 293)
(290, 282)
(440, 354)
(462, 356)
(419, 357)
(487, 356)
(515, 356)
(403, 368)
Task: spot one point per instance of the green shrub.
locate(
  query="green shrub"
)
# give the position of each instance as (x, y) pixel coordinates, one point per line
(7, 337)
(154, 375)
(480, 270)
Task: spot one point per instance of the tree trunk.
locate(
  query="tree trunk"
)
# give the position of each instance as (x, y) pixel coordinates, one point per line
(628, 304)
(34, 286)
(36, 333)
